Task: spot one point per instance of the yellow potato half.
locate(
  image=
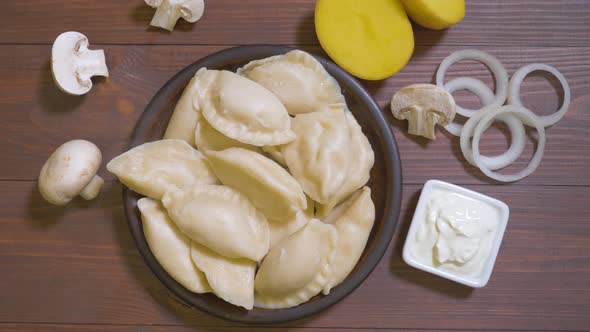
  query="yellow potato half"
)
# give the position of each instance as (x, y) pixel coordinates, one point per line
(435, 14)
(371, 39)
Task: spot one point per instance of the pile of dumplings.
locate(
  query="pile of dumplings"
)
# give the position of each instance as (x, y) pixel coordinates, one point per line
(257, 191)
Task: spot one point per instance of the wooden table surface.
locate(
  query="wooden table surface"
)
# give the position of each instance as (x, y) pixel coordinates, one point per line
(77, 269)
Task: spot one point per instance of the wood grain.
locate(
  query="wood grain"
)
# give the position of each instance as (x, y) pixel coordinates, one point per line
(11, 327)
(172, 328)
(80, 266)
(516, 23)
(76, 268)
(41, 117)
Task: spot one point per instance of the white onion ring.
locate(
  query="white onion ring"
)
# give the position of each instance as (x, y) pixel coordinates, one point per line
(514, 92)
(477, 87)
(517, 140)
(495, 66)
(522, 113)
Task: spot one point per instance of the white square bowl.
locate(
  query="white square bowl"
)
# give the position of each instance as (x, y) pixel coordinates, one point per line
(419, 215)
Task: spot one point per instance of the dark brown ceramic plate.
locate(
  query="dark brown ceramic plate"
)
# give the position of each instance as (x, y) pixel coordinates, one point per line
(385, 183)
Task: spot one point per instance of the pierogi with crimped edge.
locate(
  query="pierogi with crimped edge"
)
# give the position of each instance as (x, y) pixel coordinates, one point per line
(269, 187)
(297, 268)
(220, 218)
(242, 109)
(320, 155)
(298, 80)
(152, 168)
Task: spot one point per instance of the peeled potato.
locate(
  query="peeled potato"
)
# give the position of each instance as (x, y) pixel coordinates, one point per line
(435, 14)
(371, 39)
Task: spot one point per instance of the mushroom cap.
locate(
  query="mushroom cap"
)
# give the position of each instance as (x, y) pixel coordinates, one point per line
(68, 170)
(153, 3)
(64, 66)
(192, 10)
(424, 98)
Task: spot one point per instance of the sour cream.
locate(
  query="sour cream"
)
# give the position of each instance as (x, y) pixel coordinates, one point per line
(456, 233)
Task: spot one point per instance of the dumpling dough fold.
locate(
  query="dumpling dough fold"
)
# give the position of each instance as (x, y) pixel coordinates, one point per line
(287, 225)
(208, 138)
(274, 151)
(152, 168)
(170, 247)
(220, 218)
(232, 279)
(359, 169)
(184, 118)
(320, 155)
(242, 109)
(268, 186)
(353, 220)
(298, 79)
(297, 268)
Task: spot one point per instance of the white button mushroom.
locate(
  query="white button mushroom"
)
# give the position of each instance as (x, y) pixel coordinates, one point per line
(73, 64)
(71, 171)
(423, 105)
(169, 11)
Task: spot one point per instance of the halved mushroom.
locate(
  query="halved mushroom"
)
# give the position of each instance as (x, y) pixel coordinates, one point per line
(169, 11)
(71, 171)
(424, 106)
(73, 64)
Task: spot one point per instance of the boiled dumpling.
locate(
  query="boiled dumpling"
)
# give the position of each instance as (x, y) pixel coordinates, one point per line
(208, 138)
(297, 268)
(274, 151)
(184, 118)
(170, 247)
(320, 155)
(242, 109)
(220, 218)
(152, 168)
(285, 226)
(359, 170)
(268, 186)
(232, 279)
(298, 79)
(353, 220)
(280, 229)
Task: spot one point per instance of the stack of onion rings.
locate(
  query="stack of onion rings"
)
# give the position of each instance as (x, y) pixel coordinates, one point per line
(515, 115)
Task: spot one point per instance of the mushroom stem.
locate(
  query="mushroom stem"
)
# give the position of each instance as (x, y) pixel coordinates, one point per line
(166, 16)
(169, 11)
(92, 188)
(92, 63)
(422, 123)
(424, 106)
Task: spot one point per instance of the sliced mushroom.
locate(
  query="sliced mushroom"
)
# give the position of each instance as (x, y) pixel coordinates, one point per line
(73, 64)
(424, 106)
(71, 171)
(169, 11)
